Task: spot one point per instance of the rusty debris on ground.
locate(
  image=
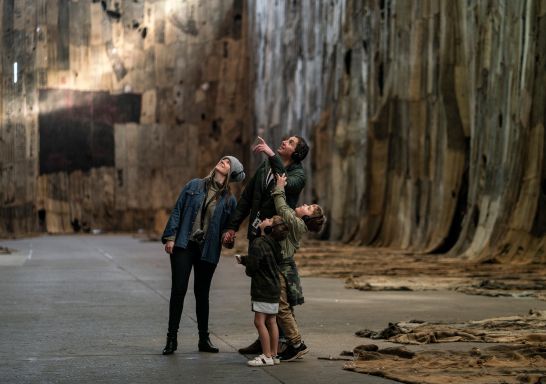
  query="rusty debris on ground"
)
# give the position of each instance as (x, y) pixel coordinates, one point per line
(376, 269)
(497, 364)
(528, 329)
(519, 357)
(5, 251)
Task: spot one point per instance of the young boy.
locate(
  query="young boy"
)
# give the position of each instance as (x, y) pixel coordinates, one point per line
(262, 265)
(304, 218)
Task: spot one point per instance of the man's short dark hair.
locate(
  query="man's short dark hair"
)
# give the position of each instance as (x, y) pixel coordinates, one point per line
(301, 151)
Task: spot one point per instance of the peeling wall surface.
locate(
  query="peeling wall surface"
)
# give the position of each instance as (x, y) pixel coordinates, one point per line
(113, 106)
(426, 118)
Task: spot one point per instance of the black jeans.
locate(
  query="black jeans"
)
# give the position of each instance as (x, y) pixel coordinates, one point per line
(182, 261)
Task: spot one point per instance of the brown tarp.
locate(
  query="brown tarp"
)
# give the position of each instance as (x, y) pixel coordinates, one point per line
(497, 364)
(379, 269)
(520, 356)
(510, 329)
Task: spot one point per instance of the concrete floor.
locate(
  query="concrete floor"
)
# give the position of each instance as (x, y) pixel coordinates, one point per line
(93, 309)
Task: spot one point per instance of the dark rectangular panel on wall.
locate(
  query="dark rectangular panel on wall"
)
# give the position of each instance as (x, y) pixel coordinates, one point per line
(7, 25)
(63, 47)
(76, 128)
(237, 24)
(111, 109)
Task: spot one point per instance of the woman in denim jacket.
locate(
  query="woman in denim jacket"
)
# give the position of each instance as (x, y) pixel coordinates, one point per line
(192, 237)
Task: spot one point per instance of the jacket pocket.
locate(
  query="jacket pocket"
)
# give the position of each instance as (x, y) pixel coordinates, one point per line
(190, 196)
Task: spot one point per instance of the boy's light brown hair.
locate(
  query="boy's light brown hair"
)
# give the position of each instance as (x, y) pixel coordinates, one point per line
(315, 222)
(279, 229)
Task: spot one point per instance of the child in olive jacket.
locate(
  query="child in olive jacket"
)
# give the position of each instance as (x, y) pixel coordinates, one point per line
(262, 266)
(300, 220)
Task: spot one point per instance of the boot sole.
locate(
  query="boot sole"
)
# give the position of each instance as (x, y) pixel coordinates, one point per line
(208, 350)
(297, 355)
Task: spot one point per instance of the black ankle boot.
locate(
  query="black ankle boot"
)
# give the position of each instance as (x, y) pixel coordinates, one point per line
(171, 345)
(205, 344)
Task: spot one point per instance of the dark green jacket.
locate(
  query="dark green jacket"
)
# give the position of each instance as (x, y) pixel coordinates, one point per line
(262, 265)
(256, 198)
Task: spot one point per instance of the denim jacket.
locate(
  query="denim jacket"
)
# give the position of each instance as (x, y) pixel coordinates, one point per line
(184, 213)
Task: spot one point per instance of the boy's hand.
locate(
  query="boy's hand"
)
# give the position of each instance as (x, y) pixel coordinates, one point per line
(281, 180)
(262, 147)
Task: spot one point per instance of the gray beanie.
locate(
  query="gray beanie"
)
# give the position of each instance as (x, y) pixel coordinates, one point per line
(237, 170)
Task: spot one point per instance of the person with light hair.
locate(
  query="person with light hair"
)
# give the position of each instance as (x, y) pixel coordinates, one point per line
(192, 238)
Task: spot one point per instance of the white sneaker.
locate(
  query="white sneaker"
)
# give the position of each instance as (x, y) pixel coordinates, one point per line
(276, 360)
(261, 361)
